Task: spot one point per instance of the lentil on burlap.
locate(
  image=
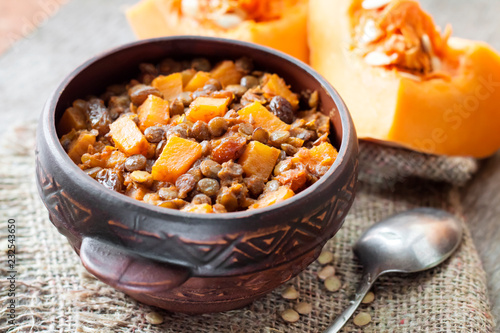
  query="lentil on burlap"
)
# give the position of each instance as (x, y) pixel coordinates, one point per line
(56, 294)
(326, 272)
(369, 297)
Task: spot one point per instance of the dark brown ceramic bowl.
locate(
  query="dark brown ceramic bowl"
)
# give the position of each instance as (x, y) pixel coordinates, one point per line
(182, 261)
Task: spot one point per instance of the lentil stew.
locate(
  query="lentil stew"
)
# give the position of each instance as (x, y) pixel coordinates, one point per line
(199, 137)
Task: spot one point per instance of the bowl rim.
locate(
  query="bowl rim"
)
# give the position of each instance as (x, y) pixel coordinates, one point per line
(348, 131)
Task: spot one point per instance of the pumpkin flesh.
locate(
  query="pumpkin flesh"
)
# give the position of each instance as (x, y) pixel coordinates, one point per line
(280, 24)
(432, 93)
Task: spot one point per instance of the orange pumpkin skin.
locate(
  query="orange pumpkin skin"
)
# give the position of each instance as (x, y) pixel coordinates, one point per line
(155, 18)
(455, 116)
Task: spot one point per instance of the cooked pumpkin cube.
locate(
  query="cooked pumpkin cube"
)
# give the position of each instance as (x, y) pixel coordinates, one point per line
(127, 137)
(153, 112)
(317, 159)
(295, 179)
(187, 75)
(109, 157)
(227, 73)
(325, 153)
(71, 118)
(259, 159)
(176, 158)
(270, 198)
(201, 208)
(115, 158)
(276, 86)
(170, 86)
(262, 118)
(197, 81)
(80, 145)
(151, 198)
(136, 191)
(206, 108)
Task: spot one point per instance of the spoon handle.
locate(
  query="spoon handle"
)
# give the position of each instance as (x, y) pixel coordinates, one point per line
(365, 285)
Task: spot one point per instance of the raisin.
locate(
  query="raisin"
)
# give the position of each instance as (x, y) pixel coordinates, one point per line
(229, 148)
(282, 109)
(111, 179)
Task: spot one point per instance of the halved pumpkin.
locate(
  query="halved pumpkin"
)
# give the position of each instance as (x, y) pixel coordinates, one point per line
(404, 81)
(281, 24)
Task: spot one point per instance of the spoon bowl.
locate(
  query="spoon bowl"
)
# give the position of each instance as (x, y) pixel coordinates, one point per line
(408, 242)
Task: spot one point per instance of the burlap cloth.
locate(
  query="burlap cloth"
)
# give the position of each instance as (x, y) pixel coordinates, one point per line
(54, 293)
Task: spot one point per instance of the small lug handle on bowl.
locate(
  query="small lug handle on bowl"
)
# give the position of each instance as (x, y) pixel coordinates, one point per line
(129, 272)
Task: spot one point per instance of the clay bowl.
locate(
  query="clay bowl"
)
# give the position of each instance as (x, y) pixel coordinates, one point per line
(187, 262)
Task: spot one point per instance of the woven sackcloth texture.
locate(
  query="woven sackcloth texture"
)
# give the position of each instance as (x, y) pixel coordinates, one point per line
(55, 294)
(385, 166)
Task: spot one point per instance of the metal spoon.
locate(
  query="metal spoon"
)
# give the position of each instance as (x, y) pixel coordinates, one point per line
(409, 242)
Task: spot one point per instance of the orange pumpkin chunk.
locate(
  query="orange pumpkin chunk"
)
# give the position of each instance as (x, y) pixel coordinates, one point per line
(197, 81)
(276, 86)
(154, 111)
(127, 137)
(71, 118)
(259, 159)
(325, 153)
(227, 73)
(109, 157)
(295, 179)
(80, 145)
(319, 158)
(206, 108)
(187, 75)
(262, 118)
(170, 86)
(136, 192)
(201, 208)
(175, 159)
(270, 198)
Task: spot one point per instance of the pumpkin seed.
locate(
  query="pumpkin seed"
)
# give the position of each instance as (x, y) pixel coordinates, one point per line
(190, 7)
(377, 58)
(370, 32)
(228, 21)
(426, 44)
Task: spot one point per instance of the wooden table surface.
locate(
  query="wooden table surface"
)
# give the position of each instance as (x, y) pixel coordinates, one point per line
(51, 52)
